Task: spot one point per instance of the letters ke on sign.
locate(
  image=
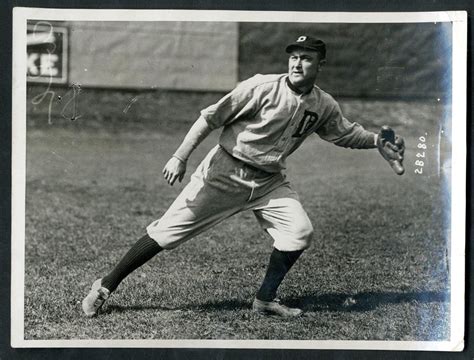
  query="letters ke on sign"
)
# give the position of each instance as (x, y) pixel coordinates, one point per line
(47, 53)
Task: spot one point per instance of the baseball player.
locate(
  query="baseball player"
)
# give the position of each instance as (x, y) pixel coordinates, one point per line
(263, 120)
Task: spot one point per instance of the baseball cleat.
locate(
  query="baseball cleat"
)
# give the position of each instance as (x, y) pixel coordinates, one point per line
(275, 308)
(95, 299)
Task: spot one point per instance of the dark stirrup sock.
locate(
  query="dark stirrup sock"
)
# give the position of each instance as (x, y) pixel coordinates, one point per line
(280, 263)
(143, 250)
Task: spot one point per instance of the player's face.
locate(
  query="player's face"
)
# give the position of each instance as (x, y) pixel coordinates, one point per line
(303, 68)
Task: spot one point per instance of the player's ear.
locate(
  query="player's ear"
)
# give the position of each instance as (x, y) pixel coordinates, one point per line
(321, 64)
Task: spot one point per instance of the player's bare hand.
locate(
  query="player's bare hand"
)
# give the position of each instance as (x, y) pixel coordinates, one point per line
(174, 170)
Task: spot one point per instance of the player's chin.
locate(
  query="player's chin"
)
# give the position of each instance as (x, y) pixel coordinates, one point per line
(298, 80)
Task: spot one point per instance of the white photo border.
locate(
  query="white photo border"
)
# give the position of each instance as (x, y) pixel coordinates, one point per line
(459, 152)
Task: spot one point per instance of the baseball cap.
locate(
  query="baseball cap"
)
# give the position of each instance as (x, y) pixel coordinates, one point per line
(308, 43)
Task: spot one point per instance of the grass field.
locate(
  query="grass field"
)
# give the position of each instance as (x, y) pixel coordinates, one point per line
(377, 270)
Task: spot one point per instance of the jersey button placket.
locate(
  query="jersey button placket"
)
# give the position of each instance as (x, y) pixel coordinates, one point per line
(290, 129)
(295, 124)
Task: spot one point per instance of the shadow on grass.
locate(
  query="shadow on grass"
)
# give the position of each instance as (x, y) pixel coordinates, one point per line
(210, 306)
(365, 301)
(120, 309)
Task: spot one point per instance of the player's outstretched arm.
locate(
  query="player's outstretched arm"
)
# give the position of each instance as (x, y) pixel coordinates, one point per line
(175, 168)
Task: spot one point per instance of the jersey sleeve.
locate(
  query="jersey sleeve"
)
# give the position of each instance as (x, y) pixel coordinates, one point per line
(340, 131)
(239, 102)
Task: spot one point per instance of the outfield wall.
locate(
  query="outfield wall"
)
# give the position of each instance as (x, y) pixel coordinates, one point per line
(363, 60)
(142, 55)
(173, 55)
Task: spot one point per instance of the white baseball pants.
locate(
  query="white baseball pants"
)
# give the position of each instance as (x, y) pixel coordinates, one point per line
(222, 186)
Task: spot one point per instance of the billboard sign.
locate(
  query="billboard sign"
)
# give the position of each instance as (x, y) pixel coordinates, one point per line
(47, 60)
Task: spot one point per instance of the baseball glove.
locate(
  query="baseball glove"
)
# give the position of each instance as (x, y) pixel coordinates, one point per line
(392, 148)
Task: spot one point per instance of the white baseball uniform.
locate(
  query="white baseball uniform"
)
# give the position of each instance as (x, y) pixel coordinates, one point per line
(264, 120)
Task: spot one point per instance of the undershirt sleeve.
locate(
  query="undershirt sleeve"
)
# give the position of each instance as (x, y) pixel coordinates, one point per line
(198, 132)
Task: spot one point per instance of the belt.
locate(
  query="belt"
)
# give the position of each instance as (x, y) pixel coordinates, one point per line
(252, 167)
